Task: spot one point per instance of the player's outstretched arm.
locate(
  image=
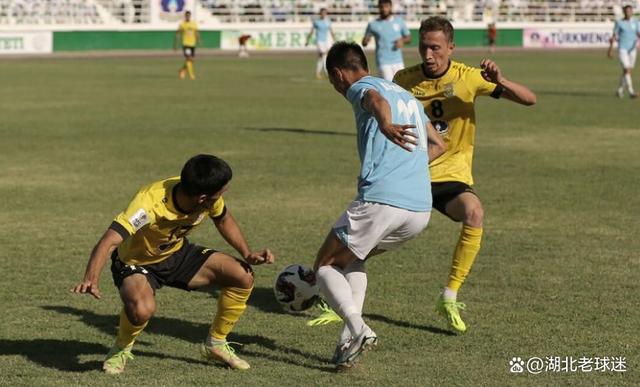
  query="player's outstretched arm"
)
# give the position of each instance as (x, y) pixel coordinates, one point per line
(435, 144)
(99, 256)
(309, 35)
(230, 231)
(614, 37)
(513, 91)
(401, 135)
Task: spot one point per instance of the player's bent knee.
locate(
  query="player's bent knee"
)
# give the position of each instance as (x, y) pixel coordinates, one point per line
(244, 278)
(140, 312)
(474, 216)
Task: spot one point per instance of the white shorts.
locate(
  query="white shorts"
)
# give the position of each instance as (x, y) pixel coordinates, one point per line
(627, 58)
(388, 71)
(323, 47)
(365, 226)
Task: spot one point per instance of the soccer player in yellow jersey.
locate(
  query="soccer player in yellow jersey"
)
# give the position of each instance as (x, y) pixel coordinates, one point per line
(188, 31)
(148, 248)
(447, 90)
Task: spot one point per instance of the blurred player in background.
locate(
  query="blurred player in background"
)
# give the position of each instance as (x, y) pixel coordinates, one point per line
(448, 90)
(190, 36)
(626, 32)
(492, 36)
(322, 28)
(390, 34)
(242, 43)
(148, 248)
(395, 142)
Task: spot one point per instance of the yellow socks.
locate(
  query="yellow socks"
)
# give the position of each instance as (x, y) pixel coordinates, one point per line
(127, 332)
(232, 302)
(464, 255)
(189, 65)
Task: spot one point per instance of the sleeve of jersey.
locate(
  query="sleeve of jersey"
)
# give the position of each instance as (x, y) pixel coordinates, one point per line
(357, 91)
(137, 215)
(218, 210)
(482, 86)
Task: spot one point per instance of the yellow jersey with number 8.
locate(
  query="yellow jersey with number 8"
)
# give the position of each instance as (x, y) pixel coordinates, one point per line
(449, 103)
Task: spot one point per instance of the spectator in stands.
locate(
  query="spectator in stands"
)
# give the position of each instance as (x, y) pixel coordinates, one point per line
(390, 33)
(492, 35)
(242, 42)
(322, 28)
(188, 32)
(626, 32)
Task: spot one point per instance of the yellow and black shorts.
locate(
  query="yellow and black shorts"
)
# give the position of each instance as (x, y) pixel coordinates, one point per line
(175, 271)
(444, 192)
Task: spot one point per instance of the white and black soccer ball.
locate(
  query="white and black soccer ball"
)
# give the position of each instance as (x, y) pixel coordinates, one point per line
(296, 289)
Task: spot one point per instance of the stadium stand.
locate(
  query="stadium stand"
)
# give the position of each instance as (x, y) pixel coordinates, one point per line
(129, 12)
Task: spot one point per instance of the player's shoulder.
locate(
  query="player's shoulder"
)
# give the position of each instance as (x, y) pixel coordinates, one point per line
(157, 190)
(408, 74)
(462, 70)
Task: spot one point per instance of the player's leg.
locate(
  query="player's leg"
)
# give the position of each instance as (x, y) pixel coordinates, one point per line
(466, 208)
(628, 69)
(320, 61)
(190, 59)
(236, 281)
(625, 63)
(139, 306)
(182, 74)
(331, 260)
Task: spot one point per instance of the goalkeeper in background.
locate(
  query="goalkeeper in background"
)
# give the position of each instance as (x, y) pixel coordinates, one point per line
(188, 31)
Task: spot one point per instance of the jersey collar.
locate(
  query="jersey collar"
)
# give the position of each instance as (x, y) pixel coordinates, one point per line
(174, 202)
(424, 73)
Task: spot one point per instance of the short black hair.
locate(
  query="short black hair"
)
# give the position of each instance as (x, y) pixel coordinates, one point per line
(384, 2)
(347, 55)
(204, 174)
(437, 23)
(627, 6)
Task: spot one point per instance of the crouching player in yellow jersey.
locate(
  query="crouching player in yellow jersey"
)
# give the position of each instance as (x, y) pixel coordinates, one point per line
(188, 31)
(148, 248)
(447, 90)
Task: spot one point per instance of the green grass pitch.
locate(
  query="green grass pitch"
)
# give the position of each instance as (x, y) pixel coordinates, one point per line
(557, 274)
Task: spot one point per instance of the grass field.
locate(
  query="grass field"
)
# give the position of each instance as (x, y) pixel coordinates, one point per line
(557, 274)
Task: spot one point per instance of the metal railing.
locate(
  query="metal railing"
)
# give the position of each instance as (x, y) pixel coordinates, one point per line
(128, 12)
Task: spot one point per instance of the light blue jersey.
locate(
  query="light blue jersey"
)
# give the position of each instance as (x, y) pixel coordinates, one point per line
(386, 32)
(627, 31)
(389, 174)
(322, 27)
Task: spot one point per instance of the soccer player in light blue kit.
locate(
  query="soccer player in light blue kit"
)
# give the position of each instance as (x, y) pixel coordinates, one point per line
(395, 143)
(322, 27)
(626, 32)
(390, 33)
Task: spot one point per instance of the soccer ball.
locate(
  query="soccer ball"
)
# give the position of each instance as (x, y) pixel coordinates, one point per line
(296, 289)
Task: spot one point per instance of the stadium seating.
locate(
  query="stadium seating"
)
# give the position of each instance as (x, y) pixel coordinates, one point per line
(125, 12)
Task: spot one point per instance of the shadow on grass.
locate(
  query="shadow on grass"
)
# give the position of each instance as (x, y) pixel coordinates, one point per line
(404, 324)
(195, 333)
(303, 131)
(63, 355)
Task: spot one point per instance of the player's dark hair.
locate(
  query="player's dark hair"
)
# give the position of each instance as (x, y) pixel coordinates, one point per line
(323, 9)
(626, 6)
(384, 2)
(437, 23)
(346, 55)
(204, 174)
